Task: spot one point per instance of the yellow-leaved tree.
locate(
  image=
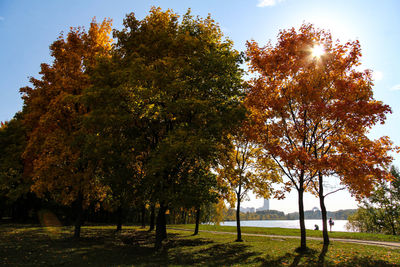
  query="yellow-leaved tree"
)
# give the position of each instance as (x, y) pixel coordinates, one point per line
(244, 167)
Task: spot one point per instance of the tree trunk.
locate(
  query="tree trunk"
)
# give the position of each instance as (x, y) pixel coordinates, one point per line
(303, 244)
(152, 217)
(239, 231)
(323, 210)
(196, 229)
(321, 258)
(143, 216)
(119, 218)
(79, 216)
(392, 225)
(161, 227)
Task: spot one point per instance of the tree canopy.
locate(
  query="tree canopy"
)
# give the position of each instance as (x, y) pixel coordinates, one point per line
(12, 145)
(172, 90)
(54, 158)
(311, 112)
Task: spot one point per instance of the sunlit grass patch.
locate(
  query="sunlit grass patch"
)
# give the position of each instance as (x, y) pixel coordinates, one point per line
(293, 232)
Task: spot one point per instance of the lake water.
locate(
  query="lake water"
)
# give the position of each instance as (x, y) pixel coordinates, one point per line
(340, 225)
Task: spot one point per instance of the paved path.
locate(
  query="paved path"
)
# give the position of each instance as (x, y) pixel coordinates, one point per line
(395, 245)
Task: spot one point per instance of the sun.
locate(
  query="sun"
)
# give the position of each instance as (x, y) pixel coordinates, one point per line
(317, 51)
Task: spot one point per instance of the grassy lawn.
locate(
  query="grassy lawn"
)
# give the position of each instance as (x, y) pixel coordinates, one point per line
(293, 232)
(101, 246)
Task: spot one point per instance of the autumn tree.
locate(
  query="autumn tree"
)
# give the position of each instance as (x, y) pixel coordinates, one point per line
(243, 167)
(113, 137)
(12, 145)
(311, 110)
(55, 160)
(184, 84)
(14, 189)
(198, 189)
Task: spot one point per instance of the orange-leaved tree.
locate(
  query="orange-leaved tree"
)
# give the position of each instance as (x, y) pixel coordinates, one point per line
(54, 157)
(311, 110)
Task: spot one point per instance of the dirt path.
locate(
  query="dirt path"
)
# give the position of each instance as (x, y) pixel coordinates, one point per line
(395, 245)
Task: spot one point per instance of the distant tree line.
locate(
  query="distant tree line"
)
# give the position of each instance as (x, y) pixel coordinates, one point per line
(229, 215)
(336, 215)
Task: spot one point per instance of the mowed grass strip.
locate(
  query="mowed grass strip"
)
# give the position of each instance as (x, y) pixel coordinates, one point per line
(102, 246)
(292, 232)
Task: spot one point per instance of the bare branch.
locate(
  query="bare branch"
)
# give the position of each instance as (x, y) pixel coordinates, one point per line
(334, 191)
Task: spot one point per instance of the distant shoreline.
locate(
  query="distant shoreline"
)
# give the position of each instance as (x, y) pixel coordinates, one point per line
(314, 214)
(340, 225)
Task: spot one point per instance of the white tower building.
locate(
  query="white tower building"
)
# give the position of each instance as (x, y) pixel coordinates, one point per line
(266, 205)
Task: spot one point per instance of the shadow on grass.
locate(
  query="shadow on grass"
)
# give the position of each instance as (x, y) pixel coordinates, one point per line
(291, 259)
(174, 242)
(215, 255)
(182, 250)
(105, 247)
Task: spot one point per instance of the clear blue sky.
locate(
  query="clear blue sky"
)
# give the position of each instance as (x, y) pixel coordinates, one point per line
(27, 28)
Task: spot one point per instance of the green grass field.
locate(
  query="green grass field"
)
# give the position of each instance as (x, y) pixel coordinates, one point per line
(293, 232)
(102, 246)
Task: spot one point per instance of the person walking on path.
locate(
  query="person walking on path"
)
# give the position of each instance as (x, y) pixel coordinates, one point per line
(330, 224)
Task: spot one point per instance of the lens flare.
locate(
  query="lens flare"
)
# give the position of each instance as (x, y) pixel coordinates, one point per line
(50, 223)
(317, 51)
